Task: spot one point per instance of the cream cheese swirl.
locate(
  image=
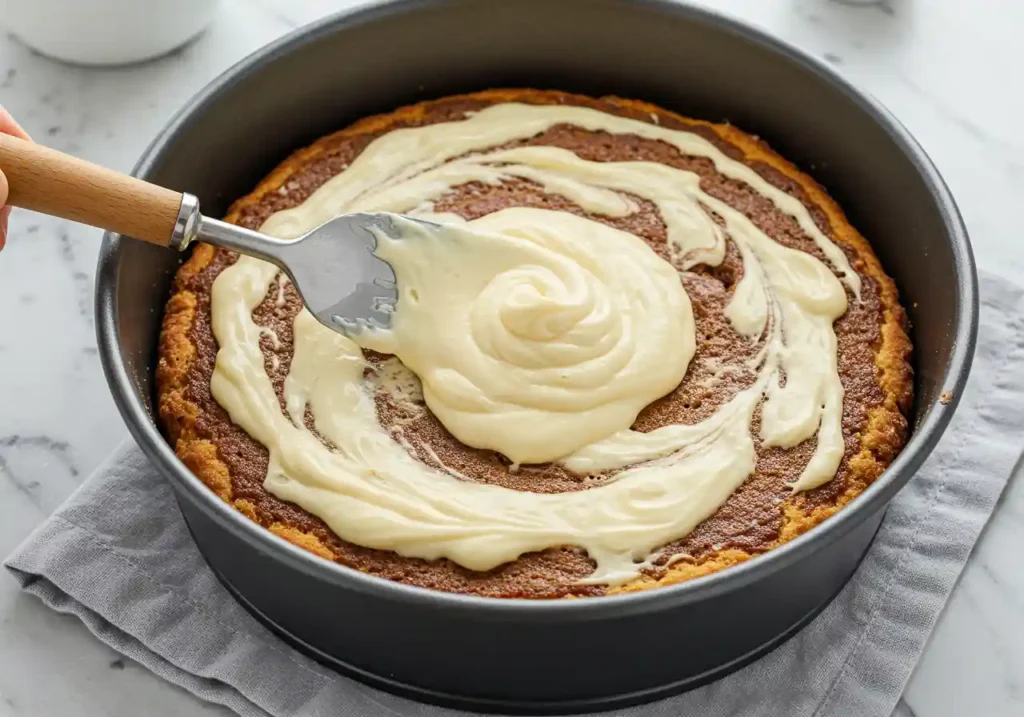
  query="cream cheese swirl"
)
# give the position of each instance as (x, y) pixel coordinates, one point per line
(535, 333)
(492, 373)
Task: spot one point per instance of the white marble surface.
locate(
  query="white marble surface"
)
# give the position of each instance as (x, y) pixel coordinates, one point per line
(950, 70)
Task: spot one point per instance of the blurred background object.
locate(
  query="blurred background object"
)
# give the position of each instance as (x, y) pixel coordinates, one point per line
(106, 32)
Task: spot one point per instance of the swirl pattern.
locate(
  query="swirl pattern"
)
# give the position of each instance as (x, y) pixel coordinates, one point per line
(541, 341)
(535, 333)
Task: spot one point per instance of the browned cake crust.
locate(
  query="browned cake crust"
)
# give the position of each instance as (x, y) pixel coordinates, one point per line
(873, 353)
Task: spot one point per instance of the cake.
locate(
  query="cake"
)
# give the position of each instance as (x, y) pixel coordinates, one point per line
(716, 468)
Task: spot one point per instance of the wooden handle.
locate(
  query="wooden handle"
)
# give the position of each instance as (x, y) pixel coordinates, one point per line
(45, 180)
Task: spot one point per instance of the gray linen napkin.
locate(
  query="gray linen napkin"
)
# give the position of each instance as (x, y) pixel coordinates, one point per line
(118, 556)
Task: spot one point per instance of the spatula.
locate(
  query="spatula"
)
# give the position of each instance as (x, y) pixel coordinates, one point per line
(341, 281)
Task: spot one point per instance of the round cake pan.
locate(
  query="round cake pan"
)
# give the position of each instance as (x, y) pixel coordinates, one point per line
(567, 655)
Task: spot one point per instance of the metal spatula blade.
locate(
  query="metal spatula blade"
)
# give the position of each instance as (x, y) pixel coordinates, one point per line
(334, 268)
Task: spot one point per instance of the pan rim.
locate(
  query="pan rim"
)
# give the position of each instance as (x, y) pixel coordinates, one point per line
(922, 441)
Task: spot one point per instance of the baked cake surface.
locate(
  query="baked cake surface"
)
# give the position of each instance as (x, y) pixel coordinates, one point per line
(872, 352)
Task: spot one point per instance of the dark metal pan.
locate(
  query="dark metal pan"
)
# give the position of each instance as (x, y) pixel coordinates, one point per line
(570, 655)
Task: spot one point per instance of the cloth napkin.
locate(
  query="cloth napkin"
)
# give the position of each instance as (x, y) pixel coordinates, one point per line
(118, 556)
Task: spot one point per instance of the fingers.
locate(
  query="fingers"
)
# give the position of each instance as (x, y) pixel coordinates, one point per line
(9, 126)
(5, 212)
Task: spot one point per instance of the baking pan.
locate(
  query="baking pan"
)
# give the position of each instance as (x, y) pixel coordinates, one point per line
(562, 655)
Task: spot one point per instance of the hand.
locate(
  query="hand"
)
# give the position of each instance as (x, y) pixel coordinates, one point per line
(7, 126)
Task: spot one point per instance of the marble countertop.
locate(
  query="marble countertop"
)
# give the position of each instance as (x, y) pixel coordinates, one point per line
(947, 68)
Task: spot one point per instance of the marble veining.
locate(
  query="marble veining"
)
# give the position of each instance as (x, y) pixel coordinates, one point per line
(948, 69)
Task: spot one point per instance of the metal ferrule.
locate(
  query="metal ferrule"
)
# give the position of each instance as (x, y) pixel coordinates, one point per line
(191, 225)
(187, 223)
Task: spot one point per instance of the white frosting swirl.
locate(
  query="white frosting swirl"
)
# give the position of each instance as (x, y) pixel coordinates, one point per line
(546, 293)
(535, 333)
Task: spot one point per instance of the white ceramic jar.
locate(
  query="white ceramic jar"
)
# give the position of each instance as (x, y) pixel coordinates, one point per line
(105, 32)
